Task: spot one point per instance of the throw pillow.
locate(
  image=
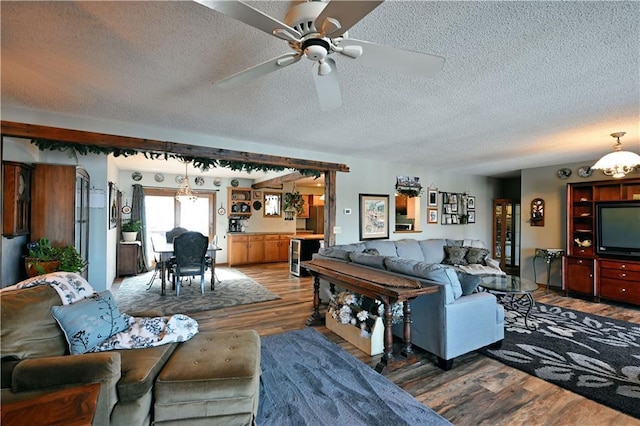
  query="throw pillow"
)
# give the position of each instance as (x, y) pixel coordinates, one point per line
(469, 282)
(372, 251)
(89, 322)
(476, 256)
(454, 255)
(335, 253)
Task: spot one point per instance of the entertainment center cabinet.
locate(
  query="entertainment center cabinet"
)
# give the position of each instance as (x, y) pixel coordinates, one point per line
(587, 269)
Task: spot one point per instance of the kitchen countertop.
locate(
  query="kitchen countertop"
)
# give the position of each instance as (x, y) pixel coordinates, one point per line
(309, 237)
(297, 236)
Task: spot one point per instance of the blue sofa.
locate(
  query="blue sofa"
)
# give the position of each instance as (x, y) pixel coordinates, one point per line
(455, 320)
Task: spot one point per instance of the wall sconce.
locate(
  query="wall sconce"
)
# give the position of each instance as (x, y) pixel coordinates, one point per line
(537, 212)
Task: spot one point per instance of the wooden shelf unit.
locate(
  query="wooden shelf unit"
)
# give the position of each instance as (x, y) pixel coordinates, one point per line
(239, 202)
(584, 271)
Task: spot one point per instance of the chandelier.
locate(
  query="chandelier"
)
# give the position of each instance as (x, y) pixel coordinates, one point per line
(618, 163)
(185, 193)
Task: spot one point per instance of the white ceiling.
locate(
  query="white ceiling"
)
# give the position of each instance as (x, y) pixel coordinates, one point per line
(525, 83)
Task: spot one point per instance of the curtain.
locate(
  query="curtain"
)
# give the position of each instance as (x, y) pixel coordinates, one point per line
(137, 213)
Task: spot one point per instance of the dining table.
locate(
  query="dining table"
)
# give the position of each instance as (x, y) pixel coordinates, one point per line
(165, 252)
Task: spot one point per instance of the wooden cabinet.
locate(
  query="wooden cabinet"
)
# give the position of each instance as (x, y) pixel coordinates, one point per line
(257, 248)
(506, 234)
(239, 202)
(16, 199)
(127, 257)
(585, 271)
(305, 207)
(60, 206)
(581, 272)
(620, 280)
(276, 248)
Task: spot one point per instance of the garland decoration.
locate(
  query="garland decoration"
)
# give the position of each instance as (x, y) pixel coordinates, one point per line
(202, 163)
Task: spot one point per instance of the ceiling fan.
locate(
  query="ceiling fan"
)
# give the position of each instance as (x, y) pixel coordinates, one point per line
(317, 30)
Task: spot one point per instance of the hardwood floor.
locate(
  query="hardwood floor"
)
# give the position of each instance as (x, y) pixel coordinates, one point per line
(477, 391)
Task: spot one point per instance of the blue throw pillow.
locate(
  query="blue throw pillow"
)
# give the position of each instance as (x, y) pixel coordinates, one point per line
(89, 322)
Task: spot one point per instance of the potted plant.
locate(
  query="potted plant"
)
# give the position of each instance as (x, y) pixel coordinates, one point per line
(294, 201)
(43, 258)
(130, 230)
(70, 260)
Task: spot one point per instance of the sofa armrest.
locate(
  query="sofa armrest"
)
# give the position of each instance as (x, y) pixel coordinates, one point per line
(58, 371)
(492, 263)
(37, 373)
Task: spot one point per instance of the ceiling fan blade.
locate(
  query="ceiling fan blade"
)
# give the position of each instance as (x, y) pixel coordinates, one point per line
(250, 16)
(394, 59)
(347, 13)
(327, 86)
(259, 70)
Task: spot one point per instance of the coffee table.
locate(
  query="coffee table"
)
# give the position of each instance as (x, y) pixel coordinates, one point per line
(513, 290)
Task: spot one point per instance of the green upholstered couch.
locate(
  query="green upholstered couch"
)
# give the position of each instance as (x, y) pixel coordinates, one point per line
(36, 360)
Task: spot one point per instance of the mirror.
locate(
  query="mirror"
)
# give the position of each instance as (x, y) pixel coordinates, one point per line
(537, 212)
(272, 204)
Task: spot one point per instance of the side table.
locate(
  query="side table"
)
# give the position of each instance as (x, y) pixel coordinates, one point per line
(549, 255)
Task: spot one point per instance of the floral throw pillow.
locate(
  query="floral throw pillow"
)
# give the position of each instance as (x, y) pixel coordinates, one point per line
(476, 256)
(89, 322)
(455, 255)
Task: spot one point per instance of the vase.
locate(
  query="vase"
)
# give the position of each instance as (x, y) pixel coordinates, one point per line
(372, 345)
(129, 236)
(36, 267)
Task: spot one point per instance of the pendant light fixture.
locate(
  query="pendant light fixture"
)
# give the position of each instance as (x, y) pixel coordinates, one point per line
(618, 163)
(185, 193)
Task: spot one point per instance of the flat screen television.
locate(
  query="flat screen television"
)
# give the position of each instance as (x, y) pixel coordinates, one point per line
(618, 229)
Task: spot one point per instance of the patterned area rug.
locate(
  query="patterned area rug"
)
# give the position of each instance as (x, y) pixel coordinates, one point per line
(234, 289)
(593, 356)
(308, 380)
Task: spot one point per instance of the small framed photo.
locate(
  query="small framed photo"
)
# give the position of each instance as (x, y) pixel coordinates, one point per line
(447, 209)
(453, 198)
(432, 215)
(374, 216)
(454, 208)
(257, 195)
(472, 217)
(454, 218)
(432, 198)
(471, 202)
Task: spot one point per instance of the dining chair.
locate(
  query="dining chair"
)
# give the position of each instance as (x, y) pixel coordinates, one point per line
(211, 263)
(156, 258)
(189, 251)
(170, 236)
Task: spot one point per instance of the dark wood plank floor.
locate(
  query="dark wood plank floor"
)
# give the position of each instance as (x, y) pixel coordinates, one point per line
(477, 391)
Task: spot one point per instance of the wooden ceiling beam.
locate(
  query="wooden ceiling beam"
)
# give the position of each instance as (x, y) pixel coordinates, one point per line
(279, 181)
(33, 131)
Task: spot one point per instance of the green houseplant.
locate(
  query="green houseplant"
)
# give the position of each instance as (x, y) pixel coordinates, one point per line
(130, 230)
(43, 258)
(294, 201)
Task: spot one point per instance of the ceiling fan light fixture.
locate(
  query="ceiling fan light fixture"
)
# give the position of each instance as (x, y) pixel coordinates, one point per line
(351, 51)
(323, 68)
(618, 163)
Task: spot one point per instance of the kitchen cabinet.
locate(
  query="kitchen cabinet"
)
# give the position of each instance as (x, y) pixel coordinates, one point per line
(60, 207)
(16, 199)
(305, 208)
(257, 248)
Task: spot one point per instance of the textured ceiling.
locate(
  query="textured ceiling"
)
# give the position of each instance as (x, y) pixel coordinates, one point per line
(525, 84)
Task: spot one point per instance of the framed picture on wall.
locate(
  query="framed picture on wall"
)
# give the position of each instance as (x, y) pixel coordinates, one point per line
(432, 197)
(374, 216)
(471, 202)
(472, 217)
(432, 215)
(113, 205)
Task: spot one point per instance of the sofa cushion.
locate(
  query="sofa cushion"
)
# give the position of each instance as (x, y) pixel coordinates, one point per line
(409, 249)
(476, 256)
(335, 253)
(28, 329)
(454, 255)
(90, 321)
(432, 251)
(468, 282)
(375, 261)
(140, 367)
(357, 247)
(385, 248)
(429, 271)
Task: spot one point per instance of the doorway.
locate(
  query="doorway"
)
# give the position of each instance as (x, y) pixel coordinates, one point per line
(163, 213)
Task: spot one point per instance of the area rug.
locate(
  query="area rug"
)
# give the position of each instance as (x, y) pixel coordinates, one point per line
(593, 356)
(234, 289)
(308, 380)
